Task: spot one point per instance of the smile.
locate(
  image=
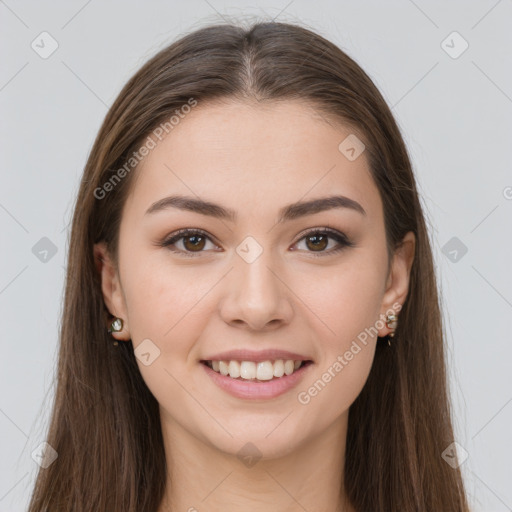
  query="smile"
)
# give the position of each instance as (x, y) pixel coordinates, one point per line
(256, 370)
(256, 380)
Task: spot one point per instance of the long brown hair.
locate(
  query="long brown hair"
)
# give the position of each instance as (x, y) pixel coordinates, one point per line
(105, 422)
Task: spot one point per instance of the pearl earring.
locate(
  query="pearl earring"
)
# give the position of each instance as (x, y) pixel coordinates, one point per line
(116, 325)
(391, 322)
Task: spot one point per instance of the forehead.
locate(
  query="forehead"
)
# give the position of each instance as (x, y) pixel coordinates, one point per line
(253, 158)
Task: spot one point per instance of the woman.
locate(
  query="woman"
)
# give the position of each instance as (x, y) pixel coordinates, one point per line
(251, 316)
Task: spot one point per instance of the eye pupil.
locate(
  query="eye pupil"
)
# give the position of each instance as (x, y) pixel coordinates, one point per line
(195, 244)
(319, 241)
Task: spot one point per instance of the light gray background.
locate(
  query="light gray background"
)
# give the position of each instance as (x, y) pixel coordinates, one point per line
(455, 114)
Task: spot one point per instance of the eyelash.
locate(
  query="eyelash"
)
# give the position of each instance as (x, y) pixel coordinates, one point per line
(340, 238)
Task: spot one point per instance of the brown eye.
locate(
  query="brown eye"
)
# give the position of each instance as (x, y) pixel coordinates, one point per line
(194, 242)
(317, 242)
(188, 242)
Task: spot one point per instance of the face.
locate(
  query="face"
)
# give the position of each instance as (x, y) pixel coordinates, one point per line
(266, 284)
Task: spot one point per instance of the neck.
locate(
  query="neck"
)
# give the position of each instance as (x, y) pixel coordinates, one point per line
(202, 477)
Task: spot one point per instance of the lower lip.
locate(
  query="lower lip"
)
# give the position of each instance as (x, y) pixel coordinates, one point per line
(257, 390)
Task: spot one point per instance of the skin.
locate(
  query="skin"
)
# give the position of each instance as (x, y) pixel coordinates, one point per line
(254, 159)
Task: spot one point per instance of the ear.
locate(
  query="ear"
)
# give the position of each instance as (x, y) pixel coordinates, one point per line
(111, 289)
(397, 285)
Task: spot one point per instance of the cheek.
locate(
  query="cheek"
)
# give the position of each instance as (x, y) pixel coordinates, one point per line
(167, 306)
(164, 302)
(346, 302)
(345, 298)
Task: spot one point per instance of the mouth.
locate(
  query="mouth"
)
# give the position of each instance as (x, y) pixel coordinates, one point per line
(256, 371)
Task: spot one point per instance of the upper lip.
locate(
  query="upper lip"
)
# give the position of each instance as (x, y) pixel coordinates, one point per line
(260, 355)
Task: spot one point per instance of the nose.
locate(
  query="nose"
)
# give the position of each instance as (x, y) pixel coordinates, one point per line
(256, 297)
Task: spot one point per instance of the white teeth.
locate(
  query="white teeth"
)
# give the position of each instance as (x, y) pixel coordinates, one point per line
(279, 368)
(264, 370)
(234, 369)
(223, 367)
(288, 367)
(250, 370)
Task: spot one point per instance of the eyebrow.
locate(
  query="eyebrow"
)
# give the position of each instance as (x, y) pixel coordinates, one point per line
(287, 213)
